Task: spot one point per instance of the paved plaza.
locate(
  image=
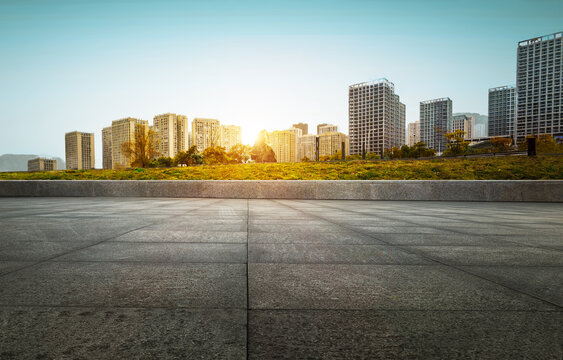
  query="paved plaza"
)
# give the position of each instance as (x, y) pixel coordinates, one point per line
(147, 278)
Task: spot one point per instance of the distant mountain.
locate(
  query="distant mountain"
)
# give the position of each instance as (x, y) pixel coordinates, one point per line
(18, 162)
(481, 123)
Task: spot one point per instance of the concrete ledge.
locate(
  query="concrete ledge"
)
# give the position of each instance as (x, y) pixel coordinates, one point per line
(439, 190)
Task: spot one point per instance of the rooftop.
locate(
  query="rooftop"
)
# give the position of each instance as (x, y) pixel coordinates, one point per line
(540, 38)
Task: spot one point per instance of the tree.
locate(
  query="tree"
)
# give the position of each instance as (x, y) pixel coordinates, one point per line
(456, 144)
(214, 155)
(501, 144)
(419, 150)
(393, 153)
(188, 157)
(143, 149)
(305, 159)
(163, 161)
(372, 156)
(354, 157)
(545, 144)
(239, 153)
(336, 156)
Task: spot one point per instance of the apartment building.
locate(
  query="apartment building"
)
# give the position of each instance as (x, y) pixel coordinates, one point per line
(171, 132)
(539, 86)
(307, 147)
(106, 148)
(376, 117)
(205, 133)
(79, 150)
(41, 164)
(435, 121)
(122, 131)
(230, 136)
(304, 128)
(332, 142)
(326, 128)
(464, 123)
(284, 145)
(502, 111)
(413, 133)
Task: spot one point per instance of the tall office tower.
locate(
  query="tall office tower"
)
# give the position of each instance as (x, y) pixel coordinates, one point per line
(414, 133)
(230, 136)
(539, 86)
(307, 147)
(124, 130)
(326, 128)
(464, 123)
(106, 147)
(331, 142)
(284, 144)
(171, 133)
(502, 111)
(304, 128)
(435, 121)
(205, 133)
(41, 164)
(376, 117)
(79, 149)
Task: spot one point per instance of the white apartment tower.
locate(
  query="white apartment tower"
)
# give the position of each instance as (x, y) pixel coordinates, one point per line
(414, 133)
(79, 150)
(502, 111)
(435, 122)
(284, 144)
(376, 117)
(230, 136)
(124, 130)
(464, 123)
(205, 133)
(326, 128)
(539, 86)
(171, 133)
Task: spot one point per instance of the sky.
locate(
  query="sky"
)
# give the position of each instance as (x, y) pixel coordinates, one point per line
(77, 65)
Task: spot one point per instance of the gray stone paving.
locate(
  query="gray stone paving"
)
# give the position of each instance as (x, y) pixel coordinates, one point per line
(222, 278)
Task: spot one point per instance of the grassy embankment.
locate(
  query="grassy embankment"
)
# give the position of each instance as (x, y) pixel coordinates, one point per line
(501, 168)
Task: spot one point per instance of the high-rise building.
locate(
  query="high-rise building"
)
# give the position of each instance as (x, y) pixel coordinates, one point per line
(539, 86)
(464, 123)
(122, 131)
(41, 164)
(435, 122)
(330, 143)
(326, 128)
(230, 136)
(171, 133)
(79, 150)
(414, 133)
(284, 144)
(376, 117)
(502, 111)
(307, 147)
(106, 148)
(304, 128)
(205, 133)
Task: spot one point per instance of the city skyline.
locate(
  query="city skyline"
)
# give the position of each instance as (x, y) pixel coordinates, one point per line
(255, 65)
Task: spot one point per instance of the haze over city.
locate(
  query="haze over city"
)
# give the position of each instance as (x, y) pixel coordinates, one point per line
(79, 65)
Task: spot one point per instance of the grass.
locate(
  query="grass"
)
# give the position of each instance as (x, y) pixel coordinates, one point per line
(490, 168)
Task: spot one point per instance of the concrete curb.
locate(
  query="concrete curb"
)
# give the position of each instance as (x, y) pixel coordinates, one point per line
(435, 190)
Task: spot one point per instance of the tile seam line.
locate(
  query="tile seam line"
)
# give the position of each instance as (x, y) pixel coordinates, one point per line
(441, 263)
(247, 281)
(78, 249)
(204, 309)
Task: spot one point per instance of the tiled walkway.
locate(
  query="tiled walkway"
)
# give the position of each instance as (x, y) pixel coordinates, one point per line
(218, 278)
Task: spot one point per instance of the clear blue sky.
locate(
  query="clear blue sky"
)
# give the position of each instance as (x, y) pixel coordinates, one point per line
(78, 65)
